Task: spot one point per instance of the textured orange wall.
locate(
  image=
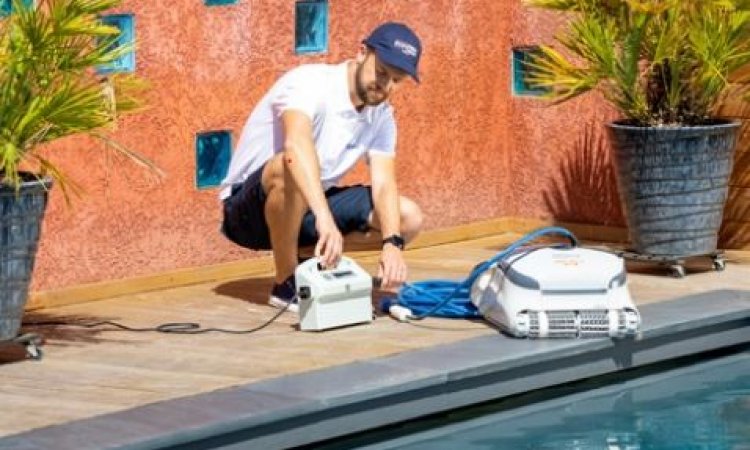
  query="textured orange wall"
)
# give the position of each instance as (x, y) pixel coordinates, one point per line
(468, 150)
(560, 166)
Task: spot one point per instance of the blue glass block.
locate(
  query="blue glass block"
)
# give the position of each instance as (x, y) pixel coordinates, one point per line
(521, 58)
(311, 27)
(213, 151)
(6, 6)
(125, 23)
(219, 2)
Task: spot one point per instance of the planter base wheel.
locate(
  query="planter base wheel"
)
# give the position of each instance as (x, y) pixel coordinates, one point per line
(32, 342)
(719, 263)
(677, 271)
(675, 264)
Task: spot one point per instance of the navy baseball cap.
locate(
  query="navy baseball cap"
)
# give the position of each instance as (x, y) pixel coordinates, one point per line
(396, 45)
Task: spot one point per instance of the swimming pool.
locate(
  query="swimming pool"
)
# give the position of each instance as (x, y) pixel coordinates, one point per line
(701, 406)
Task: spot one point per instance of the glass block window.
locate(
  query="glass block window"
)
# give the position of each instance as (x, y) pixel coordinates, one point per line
(125, 23)
(213, 151)
(219, 2)
(311, 26)
(521, 58)
(6, 6)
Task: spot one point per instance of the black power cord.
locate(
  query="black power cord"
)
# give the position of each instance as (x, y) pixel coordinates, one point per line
(170, 327)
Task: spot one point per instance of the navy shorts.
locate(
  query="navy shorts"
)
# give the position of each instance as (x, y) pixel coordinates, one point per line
(245, 219)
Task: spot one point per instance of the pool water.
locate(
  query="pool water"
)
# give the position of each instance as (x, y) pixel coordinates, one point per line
(701, 406)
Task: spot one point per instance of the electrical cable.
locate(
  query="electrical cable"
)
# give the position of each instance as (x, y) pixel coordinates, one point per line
(169, 327)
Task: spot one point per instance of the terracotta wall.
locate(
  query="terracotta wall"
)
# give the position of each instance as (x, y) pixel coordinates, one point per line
(468, 150)
(559, 165)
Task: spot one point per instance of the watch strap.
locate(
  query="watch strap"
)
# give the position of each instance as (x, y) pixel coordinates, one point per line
(396, 240)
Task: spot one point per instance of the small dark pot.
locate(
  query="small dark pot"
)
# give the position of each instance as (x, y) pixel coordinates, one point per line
(20, 222)
(673, 183)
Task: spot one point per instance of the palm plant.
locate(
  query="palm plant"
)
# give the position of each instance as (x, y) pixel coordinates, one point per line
(660, 62)
(50, 87)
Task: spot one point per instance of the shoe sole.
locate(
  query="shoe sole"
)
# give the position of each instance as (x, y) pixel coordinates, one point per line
(277, 302)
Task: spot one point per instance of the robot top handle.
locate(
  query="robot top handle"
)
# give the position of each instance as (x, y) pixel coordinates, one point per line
(313, 264)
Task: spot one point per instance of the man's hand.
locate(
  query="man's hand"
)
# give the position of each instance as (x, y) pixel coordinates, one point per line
(330, 242)
(392, 268)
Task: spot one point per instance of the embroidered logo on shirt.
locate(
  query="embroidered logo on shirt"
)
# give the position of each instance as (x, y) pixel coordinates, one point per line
(406, 48)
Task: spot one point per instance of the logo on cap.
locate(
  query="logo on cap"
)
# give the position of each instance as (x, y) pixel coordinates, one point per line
(406, 48)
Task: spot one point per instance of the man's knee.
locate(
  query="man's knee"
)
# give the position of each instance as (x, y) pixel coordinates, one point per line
(285, 205)
(278, 183)
(273, 175)
(411, 218)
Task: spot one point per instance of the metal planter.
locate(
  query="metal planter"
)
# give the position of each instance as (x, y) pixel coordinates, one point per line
(21, 216)
(673, 183)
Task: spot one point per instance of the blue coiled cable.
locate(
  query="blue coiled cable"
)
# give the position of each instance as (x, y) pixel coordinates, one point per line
(450, 298)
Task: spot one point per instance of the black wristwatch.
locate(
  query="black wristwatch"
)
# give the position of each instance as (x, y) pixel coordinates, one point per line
(396, 240)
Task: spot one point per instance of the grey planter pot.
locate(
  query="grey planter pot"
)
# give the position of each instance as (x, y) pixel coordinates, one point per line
(20, 222)
(673, 183)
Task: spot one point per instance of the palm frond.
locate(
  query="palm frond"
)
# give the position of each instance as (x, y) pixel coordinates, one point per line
(660, 62)
(68, 187)
(132, 156)
(49, 85)
(561, 5)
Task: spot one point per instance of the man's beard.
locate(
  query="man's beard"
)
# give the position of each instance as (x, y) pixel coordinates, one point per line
(361, 89)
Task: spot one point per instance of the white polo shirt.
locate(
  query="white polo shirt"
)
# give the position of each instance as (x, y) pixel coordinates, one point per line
(340, 133)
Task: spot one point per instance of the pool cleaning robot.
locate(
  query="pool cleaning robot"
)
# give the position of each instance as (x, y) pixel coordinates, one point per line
(550, 291)
(557, 292)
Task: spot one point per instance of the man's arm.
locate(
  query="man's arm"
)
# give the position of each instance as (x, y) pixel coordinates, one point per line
(301, 162)
(385, 198)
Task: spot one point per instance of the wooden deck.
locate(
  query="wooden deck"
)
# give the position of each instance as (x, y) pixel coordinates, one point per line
(89, 372)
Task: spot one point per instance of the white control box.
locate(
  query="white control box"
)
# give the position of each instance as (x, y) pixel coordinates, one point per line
(330, 298)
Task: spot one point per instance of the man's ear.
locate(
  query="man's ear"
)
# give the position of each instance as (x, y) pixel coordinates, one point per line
(362, 53)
